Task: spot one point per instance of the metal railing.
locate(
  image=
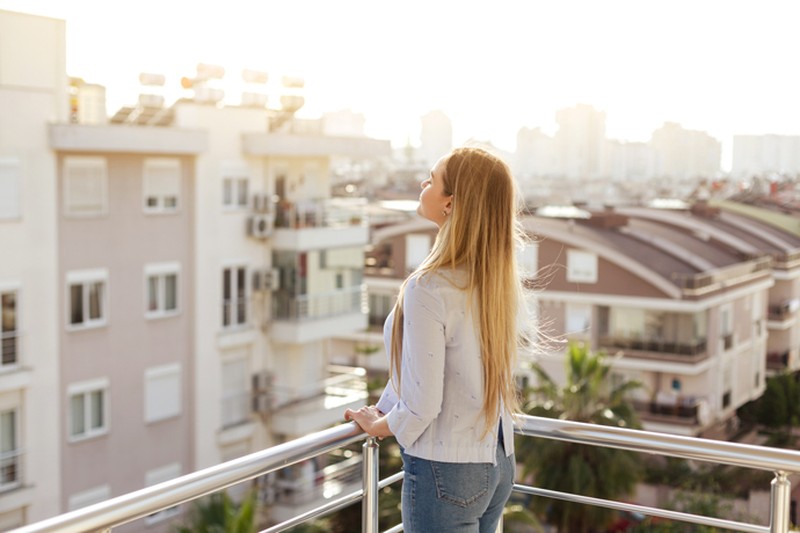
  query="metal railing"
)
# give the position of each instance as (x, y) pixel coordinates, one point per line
(321, 305)
(132, 506)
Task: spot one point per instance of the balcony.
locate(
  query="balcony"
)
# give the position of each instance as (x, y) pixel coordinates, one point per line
(673, 409)
(657, 349)
(782, 315)
(10, 474)
(306, 318)
(778, 361)
(320, 224)
(129, 507)
(297, 411)
(9, 349)
(710, 281)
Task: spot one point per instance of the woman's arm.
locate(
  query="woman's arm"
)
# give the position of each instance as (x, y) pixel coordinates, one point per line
(371, 420)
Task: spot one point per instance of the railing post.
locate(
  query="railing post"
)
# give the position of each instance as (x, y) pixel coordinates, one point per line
(780, 501)
(369, 505)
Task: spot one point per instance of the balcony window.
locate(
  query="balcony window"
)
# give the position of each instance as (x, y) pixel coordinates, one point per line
(161, 185)
(88, 409)
(9, 450)
(234, 296)
(87, 298)
(726, 326)
(9, 334)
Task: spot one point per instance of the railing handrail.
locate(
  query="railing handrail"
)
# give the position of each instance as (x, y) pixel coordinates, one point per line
(138, 504)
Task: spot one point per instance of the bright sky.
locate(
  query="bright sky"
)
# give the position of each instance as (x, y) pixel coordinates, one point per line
(723, 66)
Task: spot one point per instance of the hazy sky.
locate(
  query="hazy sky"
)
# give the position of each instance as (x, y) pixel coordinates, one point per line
(725, 66)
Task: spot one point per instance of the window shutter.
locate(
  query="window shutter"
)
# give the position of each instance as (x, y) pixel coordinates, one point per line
(85, 185)
(162, 178)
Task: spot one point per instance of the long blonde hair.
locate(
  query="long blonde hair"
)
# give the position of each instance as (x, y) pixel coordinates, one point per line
(480, 235)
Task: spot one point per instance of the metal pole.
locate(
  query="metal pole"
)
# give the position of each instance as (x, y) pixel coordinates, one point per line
(780, 500)
(369, 505)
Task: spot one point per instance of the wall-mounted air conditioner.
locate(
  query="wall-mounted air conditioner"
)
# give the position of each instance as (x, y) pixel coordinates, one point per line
(263, 396)
(260, 226)
(266, 279)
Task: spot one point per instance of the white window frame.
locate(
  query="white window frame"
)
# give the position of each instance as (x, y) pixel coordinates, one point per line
(86, 388)
(236, 179)
(10, 188)
(581, 266)
(528, 260)
(161, 475)
(85, 278)
(230, 307)
(89, 497)
(96, 163)
(154, 403)
(160, 271)
(11, 458)
(151, 170)
(15, 289)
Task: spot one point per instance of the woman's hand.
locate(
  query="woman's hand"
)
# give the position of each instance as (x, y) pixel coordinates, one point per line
(371, 420)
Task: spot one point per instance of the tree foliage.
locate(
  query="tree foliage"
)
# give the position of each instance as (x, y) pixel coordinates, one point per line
(587, 396)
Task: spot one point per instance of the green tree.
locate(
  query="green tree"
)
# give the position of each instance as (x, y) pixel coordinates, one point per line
(218, 513)
(587, 396)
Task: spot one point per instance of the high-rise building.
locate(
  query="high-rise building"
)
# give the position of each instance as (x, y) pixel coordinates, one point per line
(683, 154)
(436, 136)
(579, 141)
(755, 155)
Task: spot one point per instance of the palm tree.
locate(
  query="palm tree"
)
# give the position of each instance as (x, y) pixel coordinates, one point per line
(587, 396)
(219, 514)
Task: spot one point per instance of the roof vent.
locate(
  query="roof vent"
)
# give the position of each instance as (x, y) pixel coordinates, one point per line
(701, 209)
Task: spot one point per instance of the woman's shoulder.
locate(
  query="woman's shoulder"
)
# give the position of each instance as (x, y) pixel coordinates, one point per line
(438, 280)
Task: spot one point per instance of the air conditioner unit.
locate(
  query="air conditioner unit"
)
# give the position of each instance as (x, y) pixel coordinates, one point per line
(260, 226)
(262, 391)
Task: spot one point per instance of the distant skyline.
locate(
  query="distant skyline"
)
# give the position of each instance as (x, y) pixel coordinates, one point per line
(725, 67)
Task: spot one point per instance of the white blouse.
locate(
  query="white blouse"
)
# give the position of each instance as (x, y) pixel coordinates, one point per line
(437, 415)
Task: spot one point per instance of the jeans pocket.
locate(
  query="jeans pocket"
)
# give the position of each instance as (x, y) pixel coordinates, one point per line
(461, 483)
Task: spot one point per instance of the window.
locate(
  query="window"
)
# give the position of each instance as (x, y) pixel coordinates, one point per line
(89, 497)
(162, 392)
(726, 326)
(579, 319)
(160, 475)
(10, 177)
(235, 393)
(528, 260)
(9, 450)
(581, 267)
(88, 409)
(162, 289)
(234, 294)
(418, 245)
(87, 298)
(85, 186)
(9, 329)
(380, 305)
(161, 185)
(235, 189)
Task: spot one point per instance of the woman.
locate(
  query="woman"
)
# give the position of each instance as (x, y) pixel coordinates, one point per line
(452, 336)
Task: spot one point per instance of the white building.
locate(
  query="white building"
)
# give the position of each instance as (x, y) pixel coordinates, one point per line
(579, 142)
(685, 154)
(32, 94)
(755, 155)
(436, 136)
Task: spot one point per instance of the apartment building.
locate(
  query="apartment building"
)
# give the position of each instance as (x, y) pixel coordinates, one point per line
(173, 275)
(699, 303)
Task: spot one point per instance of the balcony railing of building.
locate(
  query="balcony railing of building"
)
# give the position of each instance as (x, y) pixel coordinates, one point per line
(328, 213)
(323, 305)
(10, 475)
(777, 360)
(343, 381)
(9, 349)
(656, 348)
(684, 410)
(707, 281)
(783, 310)
(129, 507)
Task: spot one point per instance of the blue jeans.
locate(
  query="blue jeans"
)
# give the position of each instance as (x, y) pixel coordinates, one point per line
(443, 497)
